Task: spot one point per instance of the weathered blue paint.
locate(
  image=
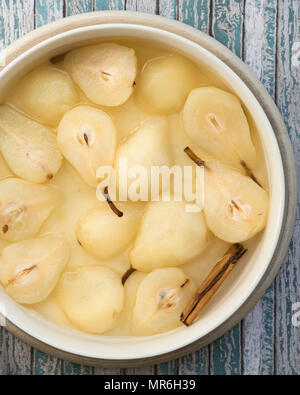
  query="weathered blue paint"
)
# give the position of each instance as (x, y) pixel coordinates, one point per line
(287, 97)
(259, 52)
(103, 5)
(196, 13)
(47, 12)
(228, 23)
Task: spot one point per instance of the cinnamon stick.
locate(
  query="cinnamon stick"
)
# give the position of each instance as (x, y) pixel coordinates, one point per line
(212, 283)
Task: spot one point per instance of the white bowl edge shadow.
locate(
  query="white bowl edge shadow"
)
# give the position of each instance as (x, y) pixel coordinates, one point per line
(256, 262)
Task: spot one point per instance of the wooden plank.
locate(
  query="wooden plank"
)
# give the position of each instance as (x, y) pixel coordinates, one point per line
(195, 13)
(107, 372)
(16, 19)
(148, 370)
(44, 364)
(225, 356)
(168, 8)
(195, 363)
(74, 7)
(258, 337)
(260, 55)
(150, 6)
(15, 355)
(3, 360)
(74, 369)
(260, 43)
(287, 357)
(288, 86)
(227, 24)
(287, 96)
(227, 27)
(168, 368)
(114, 5)
(48, 11)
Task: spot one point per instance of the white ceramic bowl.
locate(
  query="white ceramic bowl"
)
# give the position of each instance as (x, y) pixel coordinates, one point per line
(247, 282)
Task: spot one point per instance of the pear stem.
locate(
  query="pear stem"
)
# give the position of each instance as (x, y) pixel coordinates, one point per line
(212, 283)
(249, 173)
(111, 203)
(194, 157)
(127, 275)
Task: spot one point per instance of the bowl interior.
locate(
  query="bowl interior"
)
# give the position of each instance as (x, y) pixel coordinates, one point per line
(244, 278)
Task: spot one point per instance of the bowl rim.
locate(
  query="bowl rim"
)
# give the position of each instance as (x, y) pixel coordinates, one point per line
(239, 68)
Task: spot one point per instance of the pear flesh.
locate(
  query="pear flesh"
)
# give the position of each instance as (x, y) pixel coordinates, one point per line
(168, 236)
(106, 72)
(165, 82)
(123, 326)
(87, 138)
(30, 269)
(236, 207)
(105, 235)
(148, 146)
(160, 299)
(29, 148)
(24, 207)
(92, 298)
(215, 120)
(45, 93)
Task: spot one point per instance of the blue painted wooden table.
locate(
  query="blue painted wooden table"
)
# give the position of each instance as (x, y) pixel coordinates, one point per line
(266, 35)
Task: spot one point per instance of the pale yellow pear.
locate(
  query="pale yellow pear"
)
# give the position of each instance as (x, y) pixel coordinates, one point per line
(168, 236)
(30, 269)
(24, 207)
(160, 300)
(105, 235)
(236, 208)
(45, 93)
(216, 121)
(29, 148)
(165, 83)
(123, 326)
(91, 297)
(87, 138)
(106, 72)
(146, 147)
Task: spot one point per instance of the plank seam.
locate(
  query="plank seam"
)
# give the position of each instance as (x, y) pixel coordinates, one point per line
(211, 16)
(64, 9)
(157, 7)
(243, 32)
